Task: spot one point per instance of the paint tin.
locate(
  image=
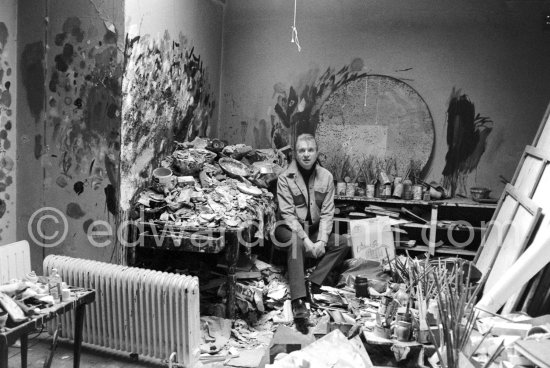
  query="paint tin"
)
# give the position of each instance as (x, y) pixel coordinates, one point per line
(397, 187)
(387, 190)
(361, 286)
(341, 188)
(370, 191)
(417, 192)
(384, 179)
(402, 330)
(407, 189)
(350, 189)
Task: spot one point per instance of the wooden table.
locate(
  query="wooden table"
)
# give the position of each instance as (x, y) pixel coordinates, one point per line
(21, 331)
(198, 240)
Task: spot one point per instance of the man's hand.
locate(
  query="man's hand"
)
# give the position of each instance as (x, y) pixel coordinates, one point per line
(314, 250)
(309, 247)
(320, 246)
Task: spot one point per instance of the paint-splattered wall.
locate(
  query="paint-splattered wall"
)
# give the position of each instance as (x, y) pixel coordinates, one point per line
(8, 71)
(495, 53)
(70, 97)
(171, 83)
(166, 99)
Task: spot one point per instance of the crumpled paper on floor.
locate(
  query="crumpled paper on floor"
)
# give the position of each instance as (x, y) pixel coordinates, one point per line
(333, 350)
(215, 333)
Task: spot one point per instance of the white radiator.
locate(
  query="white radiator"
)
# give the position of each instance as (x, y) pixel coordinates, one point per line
(145, 312)
(15, 261)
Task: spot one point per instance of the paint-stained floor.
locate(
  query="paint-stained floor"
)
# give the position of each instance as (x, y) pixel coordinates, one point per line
(39, 351)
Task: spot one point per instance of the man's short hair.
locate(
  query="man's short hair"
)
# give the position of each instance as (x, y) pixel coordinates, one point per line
(307, 138)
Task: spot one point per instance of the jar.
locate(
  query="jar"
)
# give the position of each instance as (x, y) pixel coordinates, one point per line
(402, 331)
(361, 286)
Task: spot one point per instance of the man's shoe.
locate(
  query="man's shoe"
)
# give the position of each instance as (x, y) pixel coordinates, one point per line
(299, 309)
(301, 315)
(312, 289)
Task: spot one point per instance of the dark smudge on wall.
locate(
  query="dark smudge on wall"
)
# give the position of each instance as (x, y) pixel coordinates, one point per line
(32, 73)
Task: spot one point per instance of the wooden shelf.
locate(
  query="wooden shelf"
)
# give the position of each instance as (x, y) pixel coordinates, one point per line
(451, 202)
(442, 227)
(439, 250)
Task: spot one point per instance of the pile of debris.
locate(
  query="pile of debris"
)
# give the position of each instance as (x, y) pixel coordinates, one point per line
(203, 185)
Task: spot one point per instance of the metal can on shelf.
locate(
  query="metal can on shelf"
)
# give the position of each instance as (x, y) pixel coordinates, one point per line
(341, 188)
(370, 191)
(397, 187)
(417, 191)
(350, 189)
(407, 189)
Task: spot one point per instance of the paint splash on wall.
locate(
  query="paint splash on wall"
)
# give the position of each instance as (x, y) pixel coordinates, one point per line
(7, 163)
(81, 139)
(297, 109)
(84, 100)
(467, 134)
(166, 99)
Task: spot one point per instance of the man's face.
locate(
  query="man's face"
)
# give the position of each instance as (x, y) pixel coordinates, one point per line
(306, 153)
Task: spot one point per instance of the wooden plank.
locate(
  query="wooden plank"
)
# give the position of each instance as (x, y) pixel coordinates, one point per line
(542, 138)
(537, 351)
(515, 241)
(534, 182)
(496, 231)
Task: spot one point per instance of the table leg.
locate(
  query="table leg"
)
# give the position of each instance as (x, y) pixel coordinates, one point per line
(433, 231)
(232, 256)
(4, 355)
(24, 340)
(78, 327)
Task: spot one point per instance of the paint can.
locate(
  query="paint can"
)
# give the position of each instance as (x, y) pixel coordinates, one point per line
(370, 191)
(361, 286)
(417, 192)
(402, 331)
(350, 189)
(407, 189)
(397, 187)
(384, 178)
(387, 190)
(341, 188)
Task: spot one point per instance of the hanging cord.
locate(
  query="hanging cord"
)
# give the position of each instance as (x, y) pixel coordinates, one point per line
(366, 89)
(295, 31)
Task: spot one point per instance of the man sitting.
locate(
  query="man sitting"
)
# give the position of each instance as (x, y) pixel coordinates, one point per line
(305, 194)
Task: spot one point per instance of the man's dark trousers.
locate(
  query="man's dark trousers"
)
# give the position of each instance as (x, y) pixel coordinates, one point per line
(336, 251)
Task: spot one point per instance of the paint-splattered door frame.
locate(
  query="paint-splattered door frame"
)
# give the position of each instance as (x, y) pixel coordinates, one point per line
(533, 168)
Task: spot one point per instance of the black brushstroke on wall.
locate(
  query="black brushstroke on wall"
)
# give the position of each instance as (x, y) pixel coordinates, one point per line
(467, 134)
